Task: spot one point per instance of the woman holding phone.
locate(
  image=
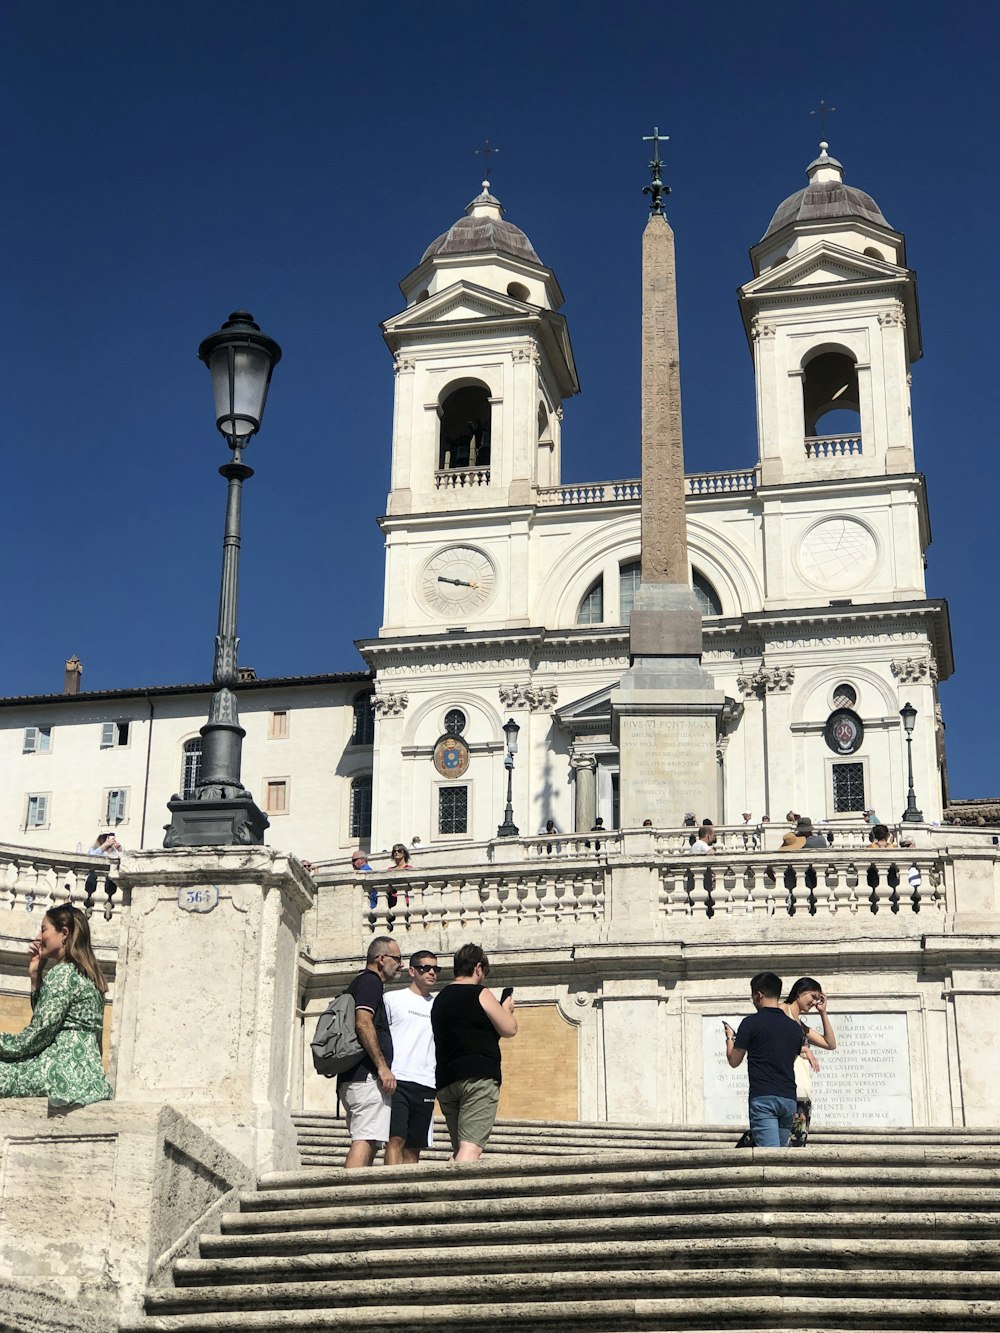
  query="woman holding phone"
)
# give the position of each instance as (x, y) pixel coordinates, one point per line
(468, 1022)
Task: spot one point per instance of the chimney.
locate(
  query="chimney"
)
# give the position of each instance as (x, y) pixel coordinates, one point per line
(74, 674)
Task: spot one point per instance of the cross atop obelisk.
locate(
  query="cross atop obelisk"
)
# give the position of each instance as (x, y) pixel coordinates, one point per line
(664, 530)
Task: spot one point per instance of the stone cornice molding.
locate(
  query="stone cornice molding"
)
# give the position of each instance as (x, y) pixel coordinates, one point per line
(389, 704)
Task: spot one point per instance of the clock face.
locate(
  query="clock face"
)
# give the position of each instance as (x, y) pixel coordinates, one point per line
(457, 578)
(838, 554)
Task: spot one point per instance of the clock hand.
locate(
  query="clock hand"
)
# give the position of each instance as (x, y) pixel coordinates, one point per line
(458, 583)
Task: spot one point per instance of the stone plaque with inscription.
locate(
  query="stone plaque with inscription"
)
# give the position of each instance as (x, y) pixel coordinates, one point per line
(865, 1081)
(667, 765)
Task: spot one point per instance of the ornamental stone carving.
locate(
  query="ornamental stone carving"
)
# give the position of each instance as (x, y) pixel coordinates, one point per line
(912, 670)
(758, 330)
(584, 762)
(389, 704)
(766, 680)
(527, 354)
(892, 318)
(536, 698)
(401, 363)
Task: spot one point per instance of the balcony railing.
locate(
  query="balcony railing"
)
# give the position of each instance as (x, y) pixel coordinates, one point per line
(32, 881)
(461, 478)
(833, 446)
(610, 492)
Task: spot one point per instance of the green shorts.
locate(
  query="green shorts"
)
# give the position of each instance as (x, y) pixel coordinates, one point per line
(469, 1107)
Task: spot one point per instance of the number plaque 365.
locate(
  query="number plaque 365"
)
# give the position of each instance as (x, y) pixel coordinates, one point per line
(200, 899)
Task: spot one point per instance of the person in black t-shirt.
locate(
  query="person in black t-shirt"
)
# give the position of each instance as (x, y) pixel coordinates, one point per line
(468, 1022)
(773, 1041)
(366, 1090)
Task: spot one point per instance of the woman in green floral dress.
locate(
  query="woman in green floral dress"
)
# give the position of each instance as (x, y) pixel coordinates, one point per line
(58, 1055)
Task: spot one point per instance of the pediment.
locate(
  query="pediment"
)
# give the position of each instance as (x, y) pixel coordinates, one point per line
(594, 706)
(461, 301)
(823, 264)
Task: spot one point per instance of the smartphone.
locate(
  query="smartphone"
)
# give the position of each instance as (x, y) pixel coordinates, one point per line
(507, 990)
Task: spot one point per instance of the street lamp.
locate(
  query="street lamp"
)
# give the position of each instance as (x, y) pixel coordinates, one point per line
(508, 829)
(222, 812)
(911, 814)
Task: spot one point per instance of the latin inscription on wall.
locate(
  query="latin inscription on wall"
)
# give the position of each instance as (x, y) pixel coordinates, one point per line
(865, 1081)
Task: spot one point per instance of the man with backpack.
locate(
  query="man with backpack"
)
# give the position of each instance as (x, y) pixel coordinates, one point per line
(365, 1090)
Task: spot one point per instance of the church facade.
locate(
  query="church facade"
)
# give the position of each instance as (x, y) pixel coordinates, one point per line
(508, 592)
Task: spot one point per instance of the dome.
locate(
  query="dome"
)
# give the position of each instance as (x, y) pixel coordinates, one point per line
(826, 196)
(483, 228)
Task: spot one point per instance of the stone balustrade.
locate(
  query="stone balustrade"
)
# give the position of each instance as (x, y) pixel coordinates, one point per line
(461, 478)
(32, 881)
(606, 492)
(833, 446)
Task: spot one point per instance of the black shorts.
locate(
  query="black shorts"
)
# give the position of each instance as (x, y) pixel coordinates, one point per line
(412, 1112)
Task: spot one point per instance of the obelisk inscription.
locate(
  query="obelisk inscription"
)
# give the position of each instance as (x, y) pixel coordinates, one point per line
(664, 531)
(665, 711)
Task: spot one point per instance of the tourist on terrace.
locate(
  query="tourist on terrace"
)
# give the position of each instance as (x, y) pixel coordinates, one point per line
(806, 997)
(880, 837)
(106, 845)
(773, 1042)
(704, 844)
(468, 1022)
(58, 1055)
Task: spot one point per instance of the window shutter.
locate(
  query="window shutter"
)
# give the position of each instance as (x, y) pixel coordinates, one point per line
(107, 735)
(30, 740)
(116, 806)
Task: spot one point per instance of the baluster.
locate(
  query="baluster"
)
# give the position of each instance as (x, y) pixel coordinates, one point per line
(810, 880)
(880, 897)
(790, 881)
(832, 883)
(725, 882)
(892, 880)
(913, 879)
(736, 894)
(10, 885)
(851, 881)
(749, 884)
(770, 891)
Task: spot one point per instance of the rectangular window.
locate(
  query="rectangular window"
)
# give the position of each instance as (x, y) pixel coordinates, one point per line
(37, 740)
(37, 815)
(276, 796)
(115, 805)
(114, 734)
(453, 810)
(278, 727)
(848, 788)
(361, 807)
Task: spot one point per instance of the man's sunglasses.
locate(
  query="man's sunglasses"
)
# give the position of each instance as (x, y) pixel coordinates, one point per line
(426, 967)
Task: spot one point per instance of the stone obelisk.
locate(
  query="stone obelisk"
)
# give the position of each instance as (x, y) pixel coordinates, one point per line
(666, 710)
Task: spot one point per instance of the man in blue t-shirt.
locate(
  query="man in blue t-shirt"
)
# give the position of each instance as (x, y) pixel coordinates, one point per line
(772, 1040)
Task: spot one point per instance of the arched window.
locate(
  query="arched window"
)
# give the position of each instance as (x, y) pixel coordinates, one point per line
(361, 806)
(190, 768)
(591, 610)
(705, 595)
(465, 429)
(629, 577)
(454, 721)
(364, 720)
(830, 396)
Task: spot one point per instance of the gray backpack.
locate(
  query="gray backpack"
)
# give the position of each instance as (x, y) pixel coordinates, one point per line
(335, 1047)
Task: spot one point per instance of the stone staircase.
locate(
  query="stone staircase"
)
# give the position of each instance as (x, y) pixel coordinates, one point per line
(592, 1228)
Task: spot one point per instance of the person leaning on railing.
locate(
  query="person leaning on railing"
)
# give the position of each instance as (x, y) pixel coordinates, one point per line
(58, 1055)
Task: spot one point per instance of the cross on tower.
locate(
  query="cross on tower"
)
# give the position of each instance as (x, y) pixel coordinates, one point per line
(657, 189)
(486, 150)
(822, 111)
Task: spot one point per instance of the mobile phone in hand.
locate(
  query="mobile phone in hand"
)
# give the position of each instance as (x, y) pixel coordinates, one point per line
(506, 992)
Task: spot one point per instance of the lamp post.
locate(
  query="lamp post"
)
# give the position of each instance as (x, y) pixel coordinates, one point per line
(222, 812)
(911, 814)
(508, 829)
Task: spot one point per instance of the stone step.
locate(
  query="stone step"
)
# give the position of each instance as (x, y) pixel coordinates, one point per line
(798, 1287)
(331, 1188)
(757, 1314)
(561, 1256)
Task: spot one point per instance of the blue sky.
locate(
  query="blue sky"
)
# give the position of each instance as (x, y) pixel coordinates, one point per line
(165, 163)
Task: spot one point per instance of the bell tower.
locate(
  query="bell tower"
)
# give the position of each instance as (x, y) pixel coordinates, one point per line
(831, 315)
(483, 363)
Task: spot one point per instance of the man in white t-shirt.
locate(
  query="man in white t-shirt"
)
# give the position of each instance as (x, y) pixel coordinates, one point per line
(409, 1013)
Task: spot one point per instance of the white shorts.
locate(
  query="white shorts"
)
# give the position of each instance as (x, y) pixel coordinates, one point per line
(368, 1110)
